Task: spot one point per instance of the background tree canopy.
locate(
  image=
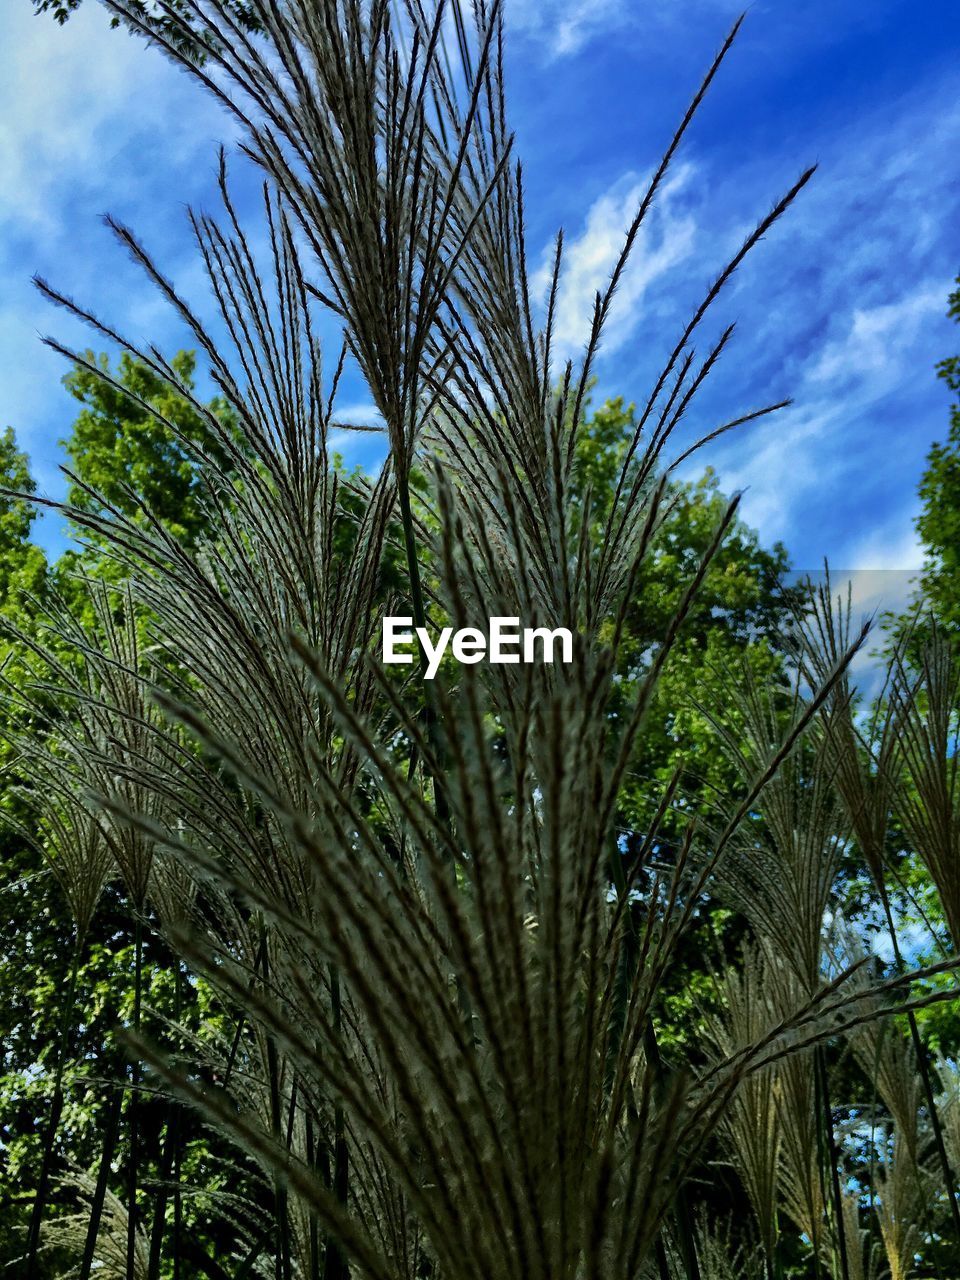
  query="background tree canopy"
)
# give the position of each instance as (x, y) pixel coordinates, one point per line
(939, 520)
(605, 969)
(165, 19)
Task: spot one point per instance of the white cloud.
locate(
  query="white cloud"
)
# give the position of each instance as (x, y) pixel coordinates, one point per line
(91, 120)
(851, 374)
(870, 355)
(774, 470)
(843, 307)
(666, 239)
(74, 98)
(829, 443)
(562, 27)
(362, 414)
(893, 547)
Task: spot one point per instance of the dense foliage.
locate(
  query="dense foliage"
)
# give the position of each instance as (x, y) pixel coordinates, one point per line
(588, 971)
(939, 521)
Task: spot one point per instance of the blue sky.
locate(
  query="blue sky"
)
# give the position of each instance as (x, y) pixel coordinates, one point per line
(842, 307)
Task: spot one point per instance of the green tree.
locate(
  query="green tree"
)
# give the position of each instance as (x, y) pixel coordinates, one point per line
(22, 563)
(172, 22)
(26, 892)
(117, 448)
(739, 614)
(939, 521)
(114, 448)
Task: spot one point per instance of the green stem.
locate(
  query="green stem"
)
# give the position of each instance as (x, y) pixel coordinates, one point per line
(56, 1110)
(335, 1264)
(420, 620)
(282, 1254)
(923, 1066)
(100, 1189)
(834, 1157)
(685, 1232)
(133, 1116)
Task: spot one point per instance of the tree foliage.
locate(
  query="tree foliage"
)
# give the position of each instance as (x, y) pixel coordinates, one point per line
(123, 456)
(939, 521)
(504, 974)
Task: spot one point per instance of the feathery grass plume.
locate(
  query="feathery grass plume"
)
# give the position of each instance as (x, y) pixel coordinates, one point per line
(869, 768)
(721, 1259)
(445, 1053)
(293, 552)
(863, 1258)
(545, 1156)
(885, 1056)
(864, 753)
(926, 704)
(72, 844)
(70, 839)
(783, 869)
(67, 1234)
(948, 1076)
(782, 875)
(752, 1123)
(900, 1204)
(903, 1182)
(99, 675)
(60, 774)
(54, 815)
(904, 1149)
(800, 1175)
(427, 1044)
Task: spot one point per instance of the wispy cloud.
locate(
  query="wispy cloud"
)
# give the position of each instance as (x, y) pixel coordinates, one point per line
(73, 103)
(666, 239)
(871, 355)
(90, 120)
(562, 27)
(362, 414)
(819, 444)
(844, 309)
(841, 307)
(892, 547)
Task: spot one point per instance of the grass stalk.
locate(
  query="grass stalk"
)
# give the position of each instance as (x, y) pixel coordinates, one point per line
(335, 1264)
(833, 1155)
(314, 1235)
(176, 1129)
(169, 1163)
(111, 1130)
(923, 1066)
(282, 1255)
(420, 620)
(56, 1110)
(158, 1224)
(685, 1229)
(133, 1116)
